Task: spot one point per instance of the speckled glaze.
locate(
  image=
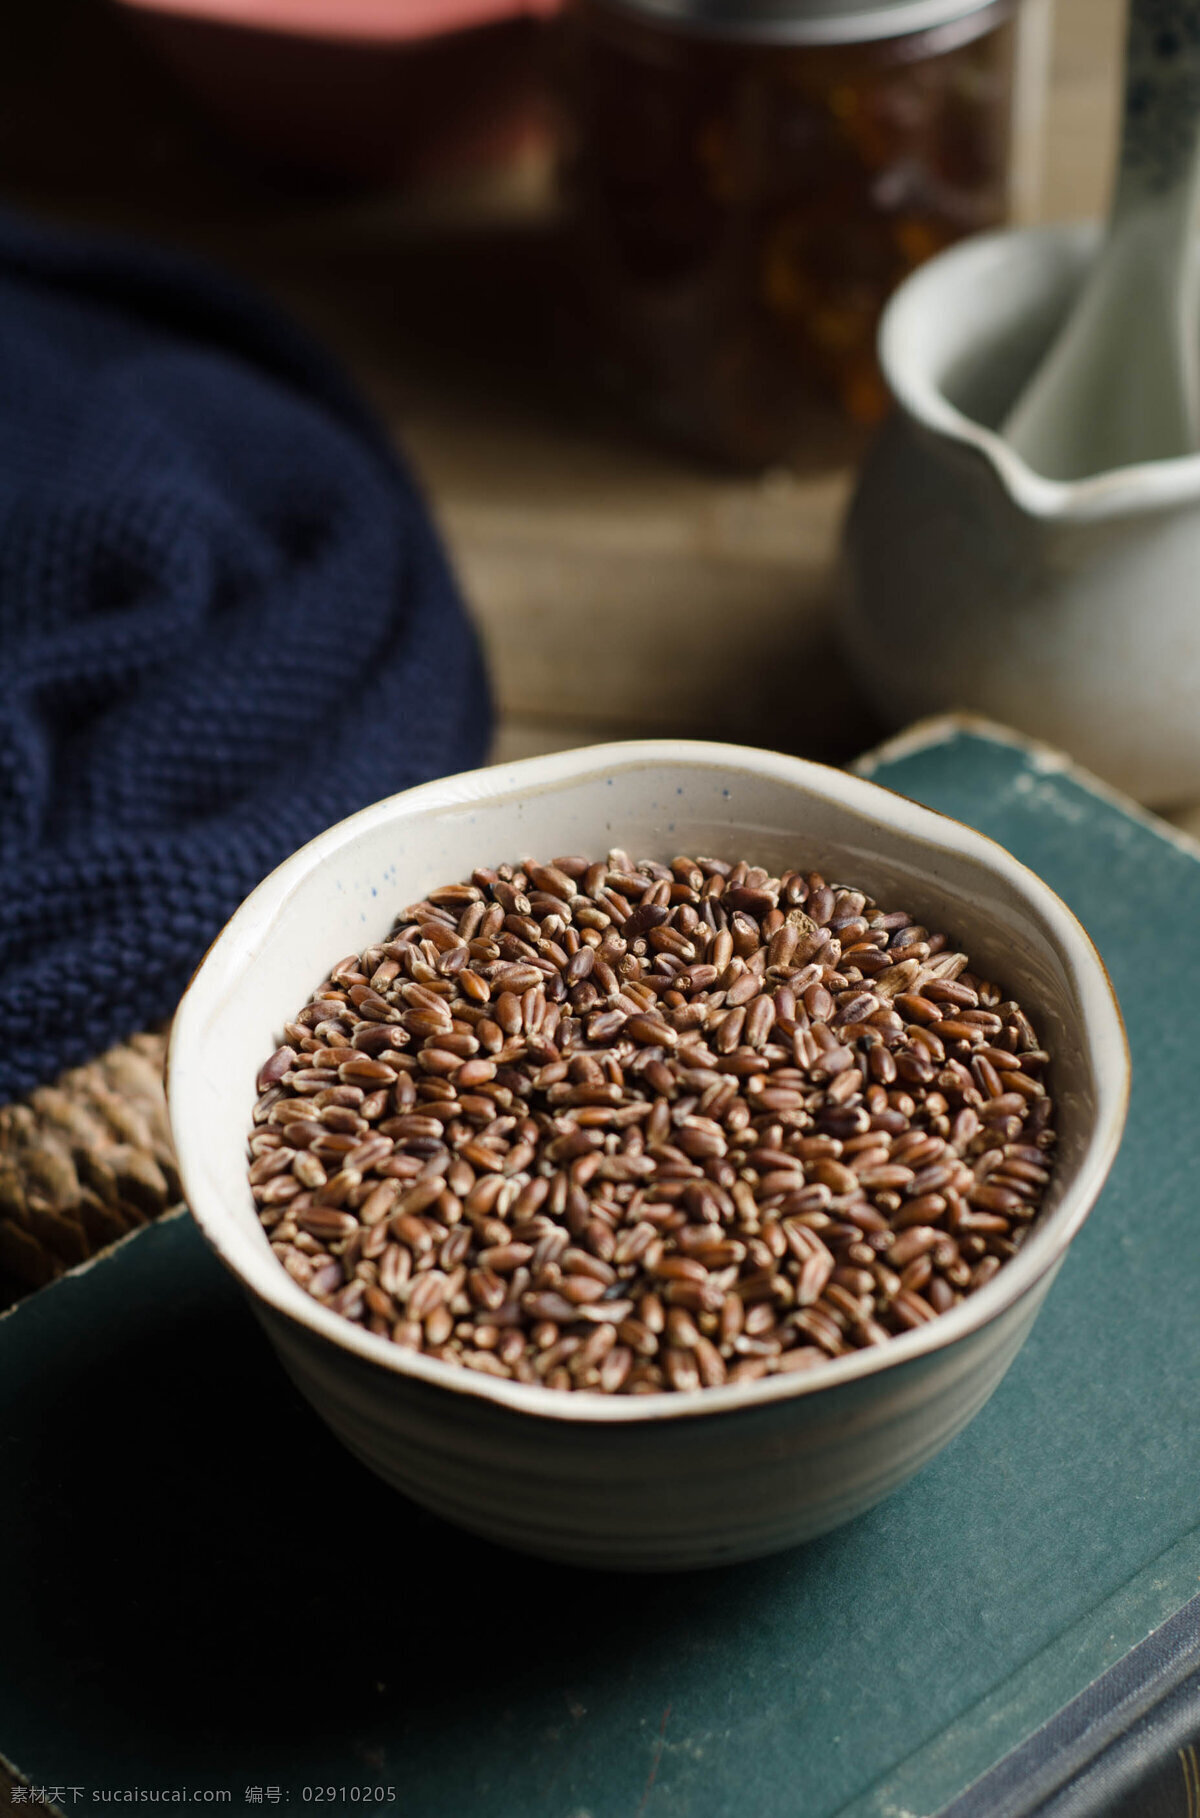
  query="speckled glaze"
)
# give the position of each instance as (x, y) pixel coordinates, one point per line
(658, 1482)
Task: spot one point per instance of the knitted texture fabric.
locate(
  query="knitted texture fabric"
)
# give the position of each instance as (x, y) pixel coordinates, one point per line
(225, 622)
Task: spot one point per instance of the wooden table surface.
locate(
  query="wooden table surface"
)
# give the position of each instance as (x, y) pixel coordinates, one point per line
(619, 591)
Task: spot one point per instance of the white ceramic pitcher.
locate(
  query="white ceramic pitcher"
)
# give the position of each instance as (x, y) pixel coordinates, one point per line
(1068, 610)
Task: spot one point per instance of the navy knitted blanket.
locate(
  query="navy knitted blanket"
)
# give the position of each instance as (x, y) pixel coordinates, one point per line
(225, 622)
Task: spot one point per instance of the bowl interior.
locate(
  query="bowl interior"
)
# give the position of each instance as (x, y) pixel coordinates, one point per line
(345, 890)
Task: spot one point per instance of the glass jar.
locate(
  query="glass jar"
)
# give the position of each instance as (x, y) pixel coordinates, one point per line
(752, 178)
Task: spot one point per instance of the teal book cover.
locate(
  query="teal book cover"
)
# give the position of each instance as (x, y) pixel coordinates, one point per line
(206, 1600)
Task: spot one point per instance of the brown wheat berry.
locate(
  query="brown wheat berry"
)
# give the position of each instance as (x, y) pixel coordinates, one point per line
(633, 1127)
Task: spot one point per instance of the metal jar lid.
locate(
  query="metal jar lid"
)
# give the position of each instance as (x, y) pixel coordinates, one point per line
(805, 21)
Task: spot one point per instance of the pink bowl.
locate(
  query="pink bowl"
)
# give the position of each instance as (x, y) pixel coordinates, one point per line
(378, 21)
(376, 89)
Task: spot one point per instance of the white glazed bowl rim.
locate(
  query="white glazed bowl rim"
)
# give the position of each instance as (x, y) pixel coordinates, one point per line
(243, 937)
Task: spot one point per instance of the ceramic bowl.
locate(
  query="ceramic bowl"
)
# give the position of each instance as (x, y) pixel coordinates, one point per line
(665, 1481)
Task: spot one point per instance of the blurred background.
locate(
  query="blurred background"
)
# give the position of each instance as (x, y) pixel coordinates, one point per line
(613, 288)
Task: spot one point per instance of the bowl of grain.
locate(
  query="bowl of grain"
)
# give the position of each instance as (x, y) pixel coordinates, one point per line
(647, 1156)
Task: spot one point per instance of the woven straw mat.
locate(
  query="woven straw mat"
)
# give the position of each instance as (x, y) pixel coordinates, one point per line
(83, 1162)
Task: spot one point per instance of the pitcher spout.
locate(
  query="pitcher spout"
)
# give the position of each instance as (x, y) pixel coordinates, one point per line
(1068, 609)
(962, 337)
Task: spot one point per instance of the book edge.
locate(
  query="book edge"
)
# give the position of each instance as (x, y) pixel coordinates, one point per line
(1096, 1735)
(949, 1764)
(943, 729)
(171, 1216)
